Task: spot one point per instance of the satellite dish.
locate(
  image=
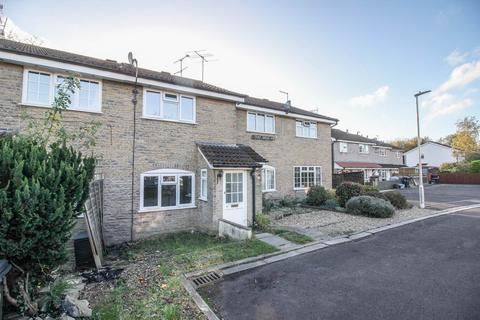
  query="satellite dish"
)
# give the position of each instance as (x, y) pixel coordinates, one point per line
(130, 57)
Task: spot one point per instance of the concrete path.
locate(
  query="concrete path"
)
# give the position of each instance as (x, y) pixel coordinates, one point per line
(274, 240)
(425, 270)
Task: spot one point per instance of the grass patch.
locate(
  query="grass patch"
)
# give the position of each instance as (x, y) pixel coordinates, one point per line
(292, 236)
(163, 296)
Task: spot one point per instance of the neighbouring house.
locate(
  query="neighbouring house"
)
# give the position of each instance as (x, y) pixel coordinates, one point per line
(354, 152)
(202, 156)
(433, 154)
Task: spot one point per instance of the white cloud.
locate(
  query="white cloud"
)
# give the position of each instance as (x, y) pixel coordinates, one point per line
(456, 57)
(461, 76)
(444, 104)
(370, 99)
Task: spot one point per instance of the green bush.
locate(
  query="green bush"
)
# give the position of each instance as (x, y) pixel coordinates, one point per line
(369, 188)
(370, 207)
(268, 204)
(348, 190)
(475, 166)
(289, 202)
(397, 200)
(375, 194)
(262, 221)
(316, 196)
(330, 204)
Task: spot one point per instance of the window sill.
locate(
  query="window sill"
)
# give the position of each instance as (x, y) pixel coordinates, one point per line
(144, 210)
(261, 132)
(168, 120)
(266, 191)
(38, 105)
(203, 199)
(312, 138)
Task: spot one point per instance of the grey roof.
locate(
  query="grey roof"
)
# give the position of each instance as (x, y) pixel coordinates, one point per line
(221, 155)
(265, 103)
(127, 69)
(107, 65)
(338, 134)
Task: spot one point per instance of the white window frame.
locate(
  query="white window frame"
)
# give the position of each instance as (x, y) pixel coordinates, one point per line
(303, 123)
(366, 148)
(265, 115)
(203, 181)
(398, 154)
(163, 97)
(266, 168)
(382, 152)
(343, 147)
(163, 173)
(53, 89)
(315, 180)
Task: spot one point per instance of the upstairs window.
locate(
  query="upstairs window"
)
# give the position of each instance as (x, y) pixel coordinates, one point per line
(307, 176)
(169, 106)
(398, 154)
(343, 146)
(382, 152)
(259, 122)
(268, 179)
(166, 189)
(40, 89)
(363, 148)
(306, 129)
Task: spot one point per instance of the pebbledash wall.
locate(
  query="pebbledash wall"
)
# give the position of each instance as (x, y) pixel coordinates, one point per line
(162, 144)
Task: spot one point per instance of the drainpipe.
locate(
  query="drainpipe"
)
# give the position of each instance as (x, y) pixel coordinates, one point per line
(253, 197)
(134, 63)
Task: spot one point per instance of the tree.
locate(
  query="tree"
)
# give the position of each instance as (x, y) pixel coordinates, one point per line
(43, 187)
(465, 139)
(407, 144)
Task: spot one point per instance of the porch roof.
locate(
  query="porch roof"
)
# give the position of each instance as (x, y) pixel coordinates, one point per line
(358, 165)
(223, 155)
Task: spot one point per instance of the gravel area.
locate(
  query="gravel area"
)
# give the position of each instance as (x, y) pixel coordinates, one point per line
(323, 224)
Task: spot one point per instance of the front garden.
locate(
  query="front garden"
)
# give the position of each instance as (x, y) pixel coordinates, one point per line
(351, 208)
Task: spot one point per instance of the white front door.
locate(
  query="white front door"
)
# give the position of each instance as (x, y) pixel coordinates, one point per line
(235, 197)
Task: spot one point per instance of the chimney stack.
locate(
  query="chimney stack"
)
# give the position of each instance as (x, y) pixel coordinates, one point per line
(288, 104)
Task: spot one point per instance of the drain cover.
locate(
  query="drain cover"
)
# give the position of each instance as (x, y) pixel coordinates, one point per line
(206, 278)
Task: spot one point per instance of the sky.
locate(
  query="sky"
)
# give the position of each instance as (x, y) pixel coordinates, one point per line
(358, 61)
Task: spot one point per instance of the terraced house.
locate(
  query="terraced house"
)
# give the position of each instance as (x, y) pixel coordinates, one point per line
(202, 156)
(354, 152)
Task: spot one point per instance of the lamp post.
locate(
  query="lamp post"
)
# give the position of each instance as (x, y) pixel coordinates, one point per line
(134, 64)
(421, 192)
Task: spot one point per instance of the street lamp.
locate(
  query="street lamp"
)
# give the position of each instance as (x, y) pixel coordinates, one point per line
(421, 192)
(134, 63)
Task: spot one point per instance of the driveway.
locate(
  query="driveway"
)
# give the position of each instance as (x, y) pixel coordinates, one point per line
(442, 196)
(425, 270)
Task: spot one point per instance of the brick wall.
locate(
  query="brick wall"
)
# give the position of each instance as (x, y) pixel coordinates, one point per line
(161, 144)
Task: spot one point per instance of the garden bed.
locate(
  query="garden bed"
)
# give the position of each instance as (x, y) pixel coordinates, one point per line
(149, 286)
(324, 224)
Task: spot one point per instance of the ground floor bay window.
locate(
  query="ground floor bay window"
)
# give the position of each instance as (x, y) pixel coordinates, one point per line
(166, 189)
(306, 176)
(268, 178)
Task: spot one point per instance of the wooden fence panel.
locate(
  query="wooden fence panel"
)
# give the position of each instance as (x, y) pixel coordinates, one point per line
(338, 178)
(94, 220)
(459, 178)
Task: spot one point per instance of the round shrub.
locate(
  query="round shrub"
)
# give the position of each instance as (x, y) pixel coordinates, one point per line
(375, 194)
(316, 196)
(397, 200)
(370, 207)
(348, 190)
(330, 204)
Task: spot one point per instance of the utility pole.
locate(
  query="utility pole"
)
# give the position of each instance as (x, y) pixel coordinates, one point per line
(421, 191)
